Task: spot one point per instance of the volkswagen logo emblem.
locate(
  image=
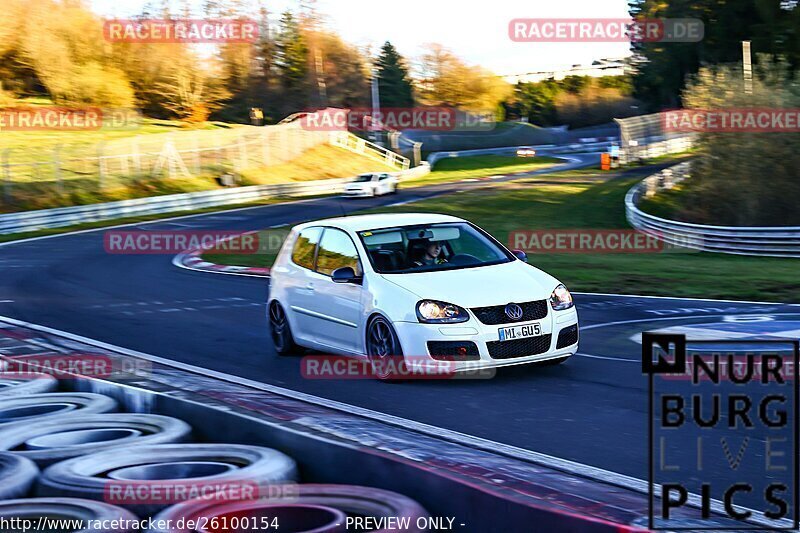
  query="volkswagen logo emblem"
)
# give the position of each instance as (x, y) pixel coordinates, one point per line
(513, 311)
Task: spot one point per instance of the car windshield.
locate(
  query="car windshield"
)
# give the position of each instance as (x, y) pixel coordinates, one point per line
(362, 178)
(431, 247)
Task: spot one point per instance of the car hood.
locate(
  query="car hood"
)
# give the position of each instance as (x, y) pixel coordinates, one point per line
(479, 287)
(356, 185)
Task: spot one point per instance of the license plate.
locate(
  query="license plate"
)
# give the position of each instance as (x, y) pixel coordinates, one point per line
(519, 332)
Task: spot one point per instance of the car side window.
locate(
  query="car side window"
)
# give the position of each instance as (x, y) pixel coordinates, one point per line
(305, 246)
(384, 177)
(336, 251)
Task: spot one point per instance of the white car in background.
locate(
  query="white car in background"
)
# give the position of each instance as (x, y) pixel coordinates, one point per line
(367, 286)
(526, 152)
(372, 184)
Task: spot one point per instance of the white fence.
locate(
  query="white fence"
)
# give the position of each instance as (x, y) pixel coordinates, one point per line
(67, 216)
(760, 241)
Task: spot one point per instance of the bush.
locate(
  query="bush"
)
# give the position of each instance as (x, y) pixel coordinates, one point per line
(744, 179)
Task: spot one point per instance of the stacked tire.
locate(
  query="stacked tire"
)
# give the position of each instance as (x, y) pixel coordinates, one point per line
(74, 457)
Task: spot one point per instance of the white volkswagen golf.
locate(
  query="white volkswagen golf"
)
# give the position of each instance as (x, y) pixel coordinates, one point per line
(426, 287)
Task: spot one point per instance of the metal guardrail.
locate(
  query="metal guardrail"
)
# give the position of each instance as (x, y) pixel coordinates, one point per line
(779, 241)
(67, 216)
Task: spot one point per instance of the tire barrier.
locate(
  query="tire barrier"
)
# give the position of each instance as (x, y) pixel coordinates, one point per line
(65, 509)
(46, 406)
(351, 500)
(95, 461)
(17, 476)
(18, 384)
(166, 467)
(51, 440)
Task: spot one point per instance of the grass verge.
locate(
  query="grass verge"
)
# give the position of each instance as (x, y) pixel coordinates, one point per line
(517, 206)
(598, 204)
(461, 168)
(320, 162)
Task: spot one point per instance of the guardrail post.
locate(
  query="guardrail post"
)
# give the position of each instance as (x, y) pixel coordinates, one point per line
(417, 153)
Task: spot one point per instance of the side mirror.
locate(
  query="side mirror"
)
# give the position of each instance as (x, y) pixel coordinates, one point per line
(345, 275)
(519, 254)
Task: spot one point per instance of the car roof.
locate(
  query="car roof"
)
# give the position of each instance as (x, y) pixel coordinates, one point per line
(382, 220)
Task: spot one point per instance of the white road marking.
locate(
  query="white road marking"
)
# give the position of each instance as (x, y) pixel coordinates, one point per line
(639, 320)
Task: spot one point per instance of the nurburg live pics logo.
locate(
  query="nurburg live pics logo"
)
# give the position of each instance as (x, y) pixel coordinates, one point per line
(723, 433)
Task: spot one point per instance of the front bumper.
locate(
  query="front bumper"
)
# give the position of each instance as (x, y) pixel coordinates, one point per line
(357, 192)
(414, 338)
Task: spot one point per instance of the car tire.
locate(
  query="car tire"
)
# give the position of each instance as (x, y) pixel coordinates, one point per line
(384, 351)
(18, 384)
(90, 476)
(17, 476)
(71, 509)
(280, 330)
(41, 407)
(52, 440)
(350, 499)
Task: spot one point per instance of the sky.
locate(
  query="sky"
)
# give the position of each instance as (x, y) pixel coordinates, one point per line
(475, 31)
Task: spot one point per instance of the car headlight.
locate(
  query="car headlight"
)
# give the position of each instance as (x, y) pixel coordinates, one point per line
(561, 298)
(435, 312)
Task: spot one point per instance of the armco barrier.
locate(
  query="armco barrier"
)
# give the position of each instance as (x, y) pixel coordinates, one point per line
(67, 216)
(779, 241)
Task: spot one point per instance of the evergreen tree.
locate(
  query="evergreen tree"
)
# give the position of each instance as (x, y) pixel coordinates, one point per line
(393, 80)
(292, 53)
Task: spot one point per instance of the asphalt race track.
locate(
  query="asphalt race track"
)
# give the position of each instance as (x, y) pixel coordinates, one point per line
(592, 410)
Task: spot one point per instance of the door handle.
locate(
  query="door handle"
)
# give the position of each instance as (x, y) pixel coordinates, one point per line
(309, 286)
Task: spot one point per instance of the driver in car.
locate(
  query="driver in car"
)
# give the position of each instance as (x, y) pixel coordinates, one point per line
(433, 255)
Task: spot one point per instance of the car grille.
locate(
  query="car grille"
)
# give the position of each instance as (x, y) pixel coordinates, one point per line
(453, 350)
(567, 336)
(496, 314)
(519, 347)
